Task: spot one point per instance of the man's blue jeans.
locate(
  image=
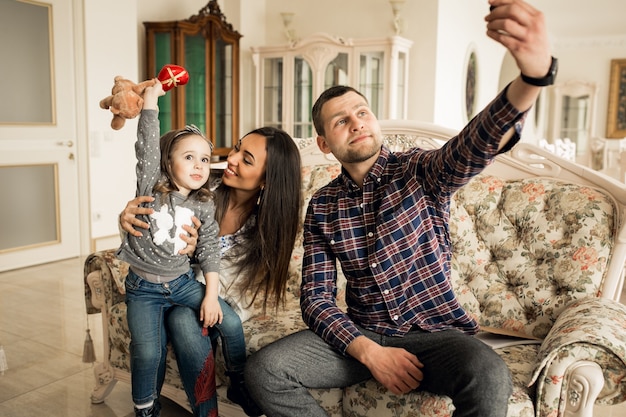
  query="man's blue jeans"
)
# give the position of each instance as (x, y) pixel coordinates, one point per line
(455, 364)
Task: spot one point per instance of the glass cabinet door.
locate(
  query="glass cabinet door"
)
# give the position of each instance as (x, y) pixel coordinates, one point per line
(273, 92)
(371, 79)
(303, 98)
(223, 106)
(401, 85)
(337, 71)
(196, 89)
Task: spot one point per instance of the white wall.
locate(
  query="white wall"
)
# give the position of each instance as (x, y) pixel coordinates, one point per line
(589, 60)
(462, 29)
(110, 50)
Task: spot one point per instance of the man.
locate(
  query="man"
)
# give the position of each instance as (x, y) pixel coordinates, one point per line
(385, 219)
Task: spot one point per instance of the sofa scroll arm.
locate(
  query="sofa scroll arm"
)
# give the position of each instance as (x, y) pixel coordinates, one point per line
(103, 276)
(96, 287)
(582, 361)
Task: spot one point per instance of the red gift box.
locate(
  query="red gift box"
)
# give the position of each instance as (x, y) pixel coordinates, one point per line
(172, 76)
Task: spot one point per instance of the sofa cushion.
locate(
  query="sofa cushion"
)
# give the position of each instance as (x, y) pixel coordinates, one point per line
(523, 249)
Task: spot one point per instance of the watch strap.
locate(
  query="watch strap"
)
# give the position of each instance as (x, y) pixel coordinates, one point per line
(548, 79)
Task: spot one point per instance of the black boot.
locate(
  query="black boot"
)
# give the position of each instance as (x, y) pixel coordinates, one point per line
(153, 411)
(238, 393)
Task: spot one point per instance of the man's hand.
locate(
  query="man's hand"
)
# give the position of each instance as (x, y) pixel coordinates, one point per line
(521, 29)
(395, 368)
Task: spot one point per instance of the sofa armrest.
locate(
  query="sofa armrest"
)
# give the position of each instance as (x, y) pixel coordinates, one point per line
(583, 359)
(104, 276)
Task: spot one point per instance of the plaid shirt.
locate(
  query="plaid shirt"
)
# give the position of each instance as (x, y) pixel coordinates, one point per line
(392, 239)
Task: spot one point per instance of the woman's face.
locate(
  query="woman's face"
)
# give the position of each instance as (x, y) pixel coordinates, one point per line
(246, 164)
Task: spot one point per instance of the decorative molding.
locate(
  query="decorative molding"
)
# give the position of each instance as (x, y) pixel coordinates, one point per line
(318, 56)
(616, 41)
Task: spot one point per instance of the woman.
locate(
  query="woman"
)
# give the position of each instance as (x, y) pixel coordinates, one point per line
(258, 201)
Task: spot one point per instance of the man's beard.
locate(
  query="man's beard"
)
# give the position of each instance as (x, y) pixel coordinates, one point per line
(355, 156)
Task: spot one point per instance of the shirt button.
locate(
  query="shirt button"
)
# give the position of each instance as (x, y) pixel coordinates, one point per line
(361, 205)
(386, 292)
(332, 241)
(377, 179)
(374, 265)
(395, 317)
(370, 234)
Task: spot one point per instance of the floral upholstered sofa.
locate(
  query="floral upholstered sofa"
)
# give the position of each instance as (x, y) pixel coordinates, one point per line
(539, 247)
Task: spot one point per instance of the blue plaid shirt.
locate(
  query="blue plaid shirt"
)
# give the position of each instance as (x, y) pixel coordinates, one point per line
(392, 238)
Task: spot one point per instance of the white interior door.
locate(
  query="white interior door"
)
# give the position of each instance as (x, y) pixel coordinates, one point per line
(39, 217)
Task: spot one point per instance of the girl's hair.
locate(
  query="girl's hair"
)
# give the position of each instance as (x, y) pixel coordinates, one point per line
(168, 143)
(263, 255)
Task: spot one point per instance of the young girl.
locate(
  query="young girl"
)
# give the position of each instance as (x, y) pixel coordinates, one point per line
(174, 170)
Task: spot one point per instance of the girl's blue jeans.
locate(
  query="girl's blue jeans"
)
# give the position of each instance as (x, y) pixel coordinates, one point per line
(149, 305)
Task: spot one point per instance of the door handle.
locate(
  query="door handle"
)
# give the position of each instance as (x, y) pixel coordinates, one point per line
(69, 143)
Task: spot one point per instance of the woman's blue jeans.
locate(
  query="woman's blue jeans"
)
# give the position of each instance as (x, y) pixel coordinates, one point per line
(193, 349)
(457, 365)
(147, 303)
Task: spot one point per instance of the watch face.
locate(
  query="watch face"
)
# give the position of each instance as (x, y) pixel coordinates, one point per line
(554, 67)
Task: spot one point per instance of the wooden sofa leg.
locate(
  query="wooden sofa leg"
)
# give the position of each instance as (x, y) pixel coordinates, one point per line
(105, 381)
(585, 382)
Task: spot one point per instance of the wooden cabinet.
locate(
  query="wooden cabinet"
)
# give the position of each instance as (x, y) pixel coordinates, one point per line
(207, 46)
(289, 78)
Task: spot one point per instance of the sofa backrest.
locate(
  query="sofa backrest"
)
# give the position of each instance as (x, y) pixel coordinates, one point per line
(524, 249)
(530, 234)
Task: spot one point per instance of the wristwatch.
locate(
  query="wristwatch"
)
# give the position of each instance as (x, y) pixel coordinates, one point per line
(543, 81)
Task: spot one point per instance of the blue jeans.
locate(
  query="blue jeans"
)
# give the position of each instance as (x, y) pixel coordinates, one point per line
(147, 303)
(193, 349)
(456, 365)
(194, 355)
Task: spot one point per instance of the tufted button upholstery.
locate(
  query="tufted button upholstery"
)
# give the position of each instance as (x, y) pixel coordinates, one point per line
(523, 249)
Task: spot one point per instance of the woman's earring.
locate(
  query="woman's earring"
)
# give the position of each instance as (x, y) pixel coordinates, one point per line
(258, 201)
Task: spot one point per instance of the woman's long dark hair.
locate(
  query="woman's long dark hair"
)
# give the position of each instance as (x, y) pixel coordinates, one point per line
(263, 255)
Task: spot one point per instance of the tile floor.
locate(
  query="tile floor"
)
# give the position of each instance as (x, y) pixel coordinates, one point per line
(42, 329)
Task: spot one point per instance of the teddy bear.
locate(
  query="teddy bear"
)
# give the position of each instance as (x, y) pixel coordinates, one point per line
(126, 99)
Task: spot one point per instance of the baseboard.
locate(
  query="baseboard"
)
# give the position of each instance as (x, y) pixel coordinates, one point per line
(105, 242)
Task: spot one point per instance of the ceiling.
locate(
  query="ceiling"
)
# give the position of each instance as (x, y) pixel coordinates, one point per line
(583, 18)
